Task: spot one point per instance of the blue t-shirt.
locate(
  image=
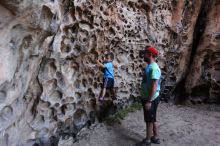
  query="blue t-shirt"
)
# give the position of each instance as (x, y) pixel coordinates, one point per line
(109, 70)
(152, 71)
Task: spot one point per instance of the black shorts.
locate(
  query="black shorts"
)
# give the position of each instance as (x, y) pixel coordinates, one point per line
(150, 115)
(108, 83)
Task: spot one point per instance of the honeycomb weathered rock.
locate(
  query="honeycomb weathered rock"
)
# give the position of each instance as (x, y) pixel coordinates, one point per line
(49, 82)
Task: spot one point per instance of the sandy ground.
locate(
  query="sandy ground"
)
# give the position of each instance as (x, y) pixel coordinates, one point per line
(197, 125)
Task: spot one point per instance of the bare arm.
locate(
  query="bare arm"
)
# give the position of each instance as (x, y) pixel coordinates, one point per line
(153, 88)
(100, 64)
(115, 66)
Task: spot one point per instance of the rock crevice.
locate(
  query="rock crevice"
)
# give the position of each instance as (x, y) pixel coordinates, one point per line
(49, 81)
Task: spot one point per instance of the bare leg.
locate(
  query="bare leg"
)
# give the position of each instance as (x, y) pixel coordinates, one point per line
(113, 94)
(149, 130)
(103, 92)
(155, 130)
(146, 131)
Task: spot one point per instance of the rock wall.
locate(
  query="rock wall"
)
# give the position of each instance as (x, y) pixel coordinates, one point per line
(49, 81)
(203, 80)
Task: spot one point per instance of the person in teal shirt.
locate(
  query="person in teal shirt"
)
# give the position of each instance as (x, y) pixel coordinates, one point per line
(150, 89)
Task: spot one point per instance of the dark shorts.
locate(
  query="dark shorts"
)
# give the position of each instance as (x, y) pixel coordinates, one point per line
(150, 115)
(108, 83)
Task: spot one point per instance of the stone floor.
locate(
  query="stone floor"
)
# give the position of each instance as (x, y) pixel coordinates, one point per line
(197, 125)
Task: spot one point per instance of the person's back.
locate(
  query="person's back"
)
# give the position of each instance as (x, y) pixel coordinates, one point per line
(109, 70)
(108, 77)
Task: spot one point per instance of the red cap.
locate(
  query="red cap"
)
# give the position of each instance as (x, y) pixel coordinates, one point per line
(152, 50)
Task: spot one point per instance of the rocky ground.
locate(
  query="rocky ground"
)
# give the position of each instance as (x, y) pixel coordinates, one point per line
(195, 125)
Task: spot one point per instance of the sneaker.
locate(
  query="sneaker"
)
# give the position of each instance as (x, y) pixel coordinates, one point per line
(144, 143)
(155, 140)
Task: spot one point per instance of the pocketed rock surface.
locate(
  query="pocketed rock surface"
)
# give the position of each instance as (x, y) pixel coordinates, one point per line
(48, 79)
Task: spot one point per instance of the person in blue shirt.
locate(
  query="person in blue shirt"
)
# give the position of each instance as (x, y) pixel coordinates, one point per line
(108, 78)
(150, 89)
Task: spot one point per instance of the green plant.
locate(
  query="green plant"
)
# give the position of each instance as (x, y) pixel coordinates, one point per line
(121, 114)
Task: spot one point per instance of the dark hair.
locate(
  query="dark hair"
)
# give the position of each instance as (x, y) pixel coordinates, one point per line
(111, 55)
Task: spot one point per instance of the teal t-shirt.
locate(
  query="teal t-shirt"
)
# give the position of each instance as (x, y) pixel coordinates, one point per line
(152, 71)
(109, 70)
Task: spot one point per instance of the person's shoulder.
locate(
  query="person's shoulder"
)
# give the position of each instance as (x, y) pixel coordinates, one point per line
(110, 63)
(155, 65)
